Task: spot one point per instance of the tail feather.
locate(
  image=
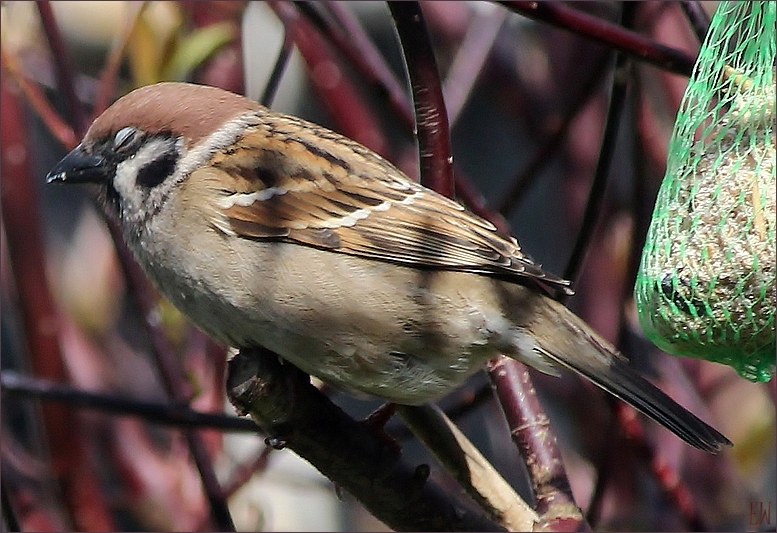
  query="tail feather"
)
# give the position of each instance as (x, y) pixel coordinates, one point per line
(624, 383)
(590, 356)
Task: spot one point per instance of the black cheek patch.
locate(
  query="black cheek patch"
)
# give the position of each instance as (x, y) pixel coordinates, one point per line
(157, 170)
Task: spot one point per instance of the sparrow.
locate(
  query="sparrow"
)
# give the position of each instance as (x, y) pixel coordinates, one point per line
(268, 230)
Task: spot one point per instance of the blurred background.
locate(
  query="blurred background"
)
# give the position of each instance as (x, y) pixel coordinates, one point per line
(527, 104)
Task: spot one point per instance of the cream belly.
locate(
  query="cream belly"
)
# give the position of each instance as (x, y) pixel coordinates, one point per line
(429, 334)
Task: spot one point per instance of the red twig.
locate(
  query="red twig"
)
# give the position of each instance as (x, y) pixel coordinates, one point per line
(367, 60)
(530, 427)
(698, 18)
(475, 202)
(172, 374)
(22, 223)
(64, 68)
(531, 432)
(434, 147)
(38, 101)
(667, 477)
(523, 182)
(606, 33)
(242, 473)
(358, 48)
(593, 206)
(470, 59)
(353, 117)
(107, 83)
(225, 67)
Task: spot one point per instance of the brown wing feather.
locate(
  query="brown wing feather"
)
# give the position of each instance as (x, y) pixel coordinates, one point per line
(314, 187)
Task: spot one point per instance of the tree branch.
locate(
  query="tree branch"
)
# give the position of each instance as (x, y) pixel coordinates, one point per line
(282, 401)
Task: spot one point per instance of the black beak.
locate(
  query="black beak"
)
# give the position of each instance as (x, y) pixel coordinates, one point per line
(79, 167)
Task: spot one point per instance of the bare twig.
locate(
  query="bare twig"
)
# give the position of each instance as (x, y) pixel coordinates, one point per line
(475, 202)
(596, 194)
(224, 67)
(281, 63)
(531, 432)
(523, 182)
(22, 224)
(171, 372)
(107, 83)
(38, 102)
(699, 19)
(241, 474)
(354, 43)
(629, 42)
(64, 68)
(434, 148)
(666, 476)
(677, 491)
(465, 462)
(10, 523)
(470, 58)
(641, 205)
(516, 396)
(462, 402)
(282, 401)
(160, 413)
(353, 117)
(356, 46)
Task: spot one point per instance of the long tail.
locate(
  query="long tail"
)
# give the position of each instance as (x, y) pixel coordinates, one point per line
(568, 342)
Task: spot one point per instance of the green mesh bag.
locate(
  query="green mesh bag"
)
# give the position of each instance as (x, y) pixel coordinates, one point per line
(706, 283)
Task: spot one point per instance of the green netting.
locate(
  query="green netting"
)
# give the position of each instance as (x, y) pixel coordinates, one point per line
(706, 284)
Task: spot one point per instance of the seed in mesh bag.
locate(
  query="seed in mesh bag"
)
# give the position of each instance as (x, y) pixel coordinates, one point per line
(715, 271)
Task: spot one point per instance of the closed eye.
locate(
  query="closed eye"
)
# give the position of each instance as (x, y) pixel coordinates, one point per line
(126, 140)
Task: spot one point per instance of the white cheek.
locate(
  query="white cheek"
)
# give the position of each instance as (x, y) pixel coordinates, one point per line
(127, 171)
(124, 183)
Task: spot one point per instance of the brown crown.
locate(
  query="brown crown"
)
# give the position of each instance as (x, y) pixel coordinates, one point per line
(193, 111)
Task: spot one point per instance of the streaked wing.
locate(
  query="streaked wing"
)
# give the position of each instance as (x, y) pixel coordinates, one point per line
(312, 186)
